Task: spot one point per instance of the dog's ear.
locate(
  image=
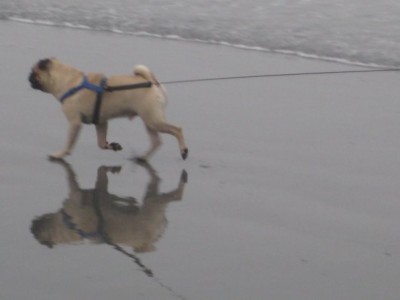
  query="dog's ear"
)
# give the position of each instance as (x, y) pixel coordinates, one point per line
(43, 64)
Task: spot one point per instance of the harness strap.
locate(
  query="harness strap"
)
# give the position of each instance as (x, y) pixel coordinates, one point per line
(103, 87)
(140, 85)
(84, 85)
(99, 99)
(99, 90)
(67, 219)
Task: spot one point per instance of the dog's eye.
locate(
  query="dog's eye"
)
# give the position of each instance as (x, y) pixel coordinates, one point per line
(43, 64)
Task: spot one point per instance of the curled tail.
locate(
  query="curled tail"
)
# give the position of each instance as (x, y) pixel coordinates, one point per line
(143, 71)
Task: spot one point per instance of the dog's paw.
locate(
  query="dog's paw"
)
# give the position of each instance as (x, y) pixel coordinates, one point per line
(141, 160)
(112, 169)
(184, 176)
(115, 170)
(115, 146)
(185, 153)
(58, 155)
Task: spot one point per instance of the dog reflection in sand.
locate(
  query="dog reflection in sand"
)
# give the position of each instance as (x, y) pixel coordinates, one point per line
(97, 216)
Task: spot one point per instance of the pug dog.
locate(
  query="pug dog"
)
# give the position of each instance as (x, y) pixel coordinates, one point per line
(70, 86)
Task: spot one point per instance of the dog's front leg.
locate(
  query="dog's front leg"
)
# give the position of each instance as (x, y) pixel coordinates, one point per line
(74, 128)
(101, 130)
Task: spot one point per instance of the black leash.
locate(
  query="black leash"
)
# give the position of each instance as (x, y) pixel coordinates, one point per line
(104, 88)
(106, 239)
(281, 75)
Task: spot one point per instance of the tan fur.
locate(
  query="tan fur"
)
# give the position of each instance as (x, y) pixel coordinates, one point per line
(57, 78)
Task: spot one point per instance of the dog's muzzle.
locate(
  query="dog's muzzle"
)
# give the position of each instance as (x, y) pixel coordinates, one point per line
(35, 84)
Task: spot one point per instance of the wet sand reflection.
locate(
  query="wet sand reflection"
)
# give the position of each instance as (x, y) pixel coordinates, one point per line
(99, 217)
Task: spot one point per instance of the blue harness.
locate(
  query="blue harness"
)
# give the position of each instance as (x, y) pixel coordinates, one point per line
(67, 219)
(84, 85)
(99, 90)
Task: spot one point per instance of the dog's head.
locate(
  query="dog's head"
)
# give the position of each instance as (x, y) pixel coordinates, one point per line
(40, 76)
(51, 230)
(40, 230)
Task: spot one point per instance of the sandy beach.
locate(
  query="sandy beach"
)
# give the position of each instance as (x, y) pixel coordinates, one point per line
(292, 192)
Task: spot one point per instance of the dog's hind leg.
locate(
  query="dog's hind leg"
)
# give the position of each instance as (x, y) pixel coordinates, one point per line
(101, 130)
(155, 143)
(165, 127)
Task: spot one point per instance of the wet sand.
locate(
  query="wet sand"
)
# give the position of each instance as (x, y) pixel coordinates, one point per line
(290, 190)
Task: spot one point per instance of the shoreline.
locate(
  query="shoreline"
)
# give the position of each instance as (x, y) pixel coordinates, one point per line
(212, 43)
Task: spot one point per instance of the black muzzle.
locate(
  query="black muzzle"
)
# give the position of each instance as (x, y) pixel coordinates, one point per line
(35, 84)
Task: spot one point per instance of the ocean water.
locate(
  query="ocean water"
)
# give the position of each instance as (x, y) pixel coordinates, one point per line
(365, 32)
